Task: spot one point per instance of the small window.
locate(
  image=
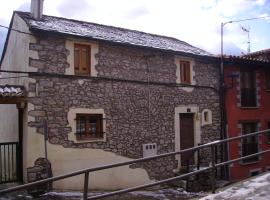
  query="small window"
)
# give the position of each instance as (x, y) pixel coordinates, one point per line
(267, 79)
(185, 74)
(89, 126)
(206, 117)
(82, 61)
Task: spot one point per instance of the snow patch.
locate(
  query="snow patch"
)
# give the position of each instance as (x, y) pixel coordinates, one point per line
(255, 189)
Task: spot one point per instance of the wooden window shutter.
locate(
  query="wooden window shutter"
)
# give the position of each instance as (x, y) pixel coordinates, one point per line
(188, 72)
(185, 74)
(82, 59)
(182, 72)
(76, 59)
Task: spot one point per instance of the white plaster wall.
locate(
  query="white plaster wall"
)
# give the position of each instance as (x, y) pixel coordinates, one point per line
(66, 160)
(16, 59)
(18, 53)
(8, 123)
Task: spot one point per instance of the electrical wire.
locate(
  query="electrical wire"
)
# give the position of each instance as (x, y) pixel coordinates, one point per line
(110, 79)
(247, 19)
(16, 30)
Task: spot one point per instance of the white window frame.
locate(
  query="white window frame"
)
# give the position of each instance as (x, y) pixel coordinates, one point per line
(177, 61)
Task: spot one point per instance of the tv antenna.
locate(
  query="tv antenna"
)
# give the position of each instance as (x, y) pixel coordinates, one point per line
(247, 30)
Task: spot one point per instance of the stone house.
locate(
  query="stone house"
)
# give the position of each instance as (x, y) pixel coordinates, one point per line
(107, 95)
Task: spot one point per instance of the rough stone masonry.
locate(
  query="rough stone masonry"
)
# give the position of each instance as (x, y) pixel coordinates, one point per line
(125, 103)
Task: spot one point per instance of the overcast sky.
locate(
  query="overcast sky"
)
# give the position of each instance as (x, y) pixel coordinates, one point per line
(194, 21)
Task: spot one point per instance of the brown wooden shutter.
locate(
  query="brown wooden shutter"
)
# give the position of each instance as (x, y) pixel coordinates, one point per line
(82, 59)
(187, 66)
(182, 76)
(185, 72)
(76, 59)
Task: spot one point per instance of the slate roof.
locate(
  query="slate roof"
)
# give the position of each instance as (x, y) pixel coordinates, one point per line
(11, 91)
(109, 33)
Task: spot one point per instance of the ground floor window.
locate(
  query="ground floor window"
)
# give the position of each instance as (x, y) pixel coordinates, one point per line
(249, 144)
(89, 126)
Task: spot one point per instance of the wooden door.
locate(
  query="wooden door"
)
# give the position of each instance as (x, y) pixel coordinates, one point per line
(187, 137)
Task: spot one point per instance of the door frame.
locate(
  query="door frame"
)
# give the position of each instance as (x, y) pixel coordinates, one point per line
(197, 128)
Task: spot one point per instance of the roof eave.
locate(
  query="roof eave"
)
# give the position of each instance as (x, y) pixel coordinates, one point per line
(245, 61)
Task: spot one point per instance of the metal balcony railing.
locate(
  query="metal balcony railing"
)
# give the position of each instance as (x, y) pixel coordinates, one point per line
(212, 168)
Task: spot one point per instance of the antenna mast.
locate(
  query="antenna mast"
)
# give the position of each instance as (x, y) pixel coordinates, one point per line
(247, 30)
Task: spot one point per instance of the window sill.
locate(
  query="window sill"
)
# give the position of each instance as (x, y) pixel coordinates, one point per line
(249, 163)
(185, 84)
(256, 107)
(76, 74)
(90, 139)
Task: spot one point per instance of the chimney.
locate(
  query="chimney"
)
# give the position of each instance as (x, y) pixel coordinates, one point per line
(37, 9)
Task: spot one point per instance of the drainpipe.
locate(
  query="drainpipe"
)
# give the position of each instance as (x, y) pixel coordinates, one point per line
(223, 116)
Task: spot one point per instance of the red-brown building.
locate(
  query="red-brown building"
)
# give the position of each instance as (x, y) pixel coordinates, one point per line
(247, 102)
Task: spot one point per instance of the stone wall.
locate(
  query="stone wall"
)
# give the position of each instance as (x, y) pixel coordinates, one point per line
(125, 103)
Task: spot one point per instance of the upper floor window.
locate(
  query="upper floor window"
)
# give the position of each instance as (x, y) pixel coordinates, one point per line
(185, 74)
(267, 79)
(82, 59)
(89, 126)
(249, 144)
(248, 89)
